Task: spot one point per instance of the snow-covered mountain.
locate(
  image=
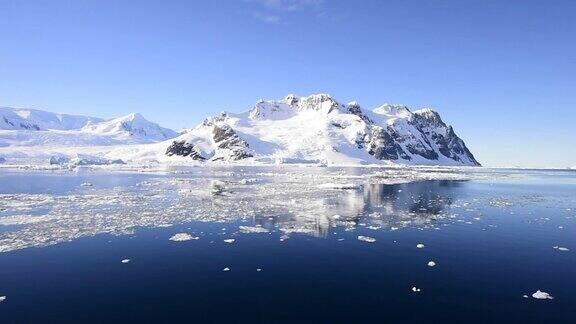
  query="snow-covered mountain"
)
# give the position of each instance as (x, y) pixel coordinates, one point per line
(32, 119)
(133, 125)
(315, 129)
(30, 127)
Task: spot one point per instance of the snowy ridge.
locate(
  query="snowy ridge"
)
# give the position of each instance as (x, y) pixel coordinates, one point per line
(28, 128)
(314, 129)
(32, 119)
(134, 125)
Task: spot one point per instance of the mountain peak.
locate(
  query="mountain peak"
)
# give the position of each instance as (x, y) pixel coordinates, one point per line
(393, 110)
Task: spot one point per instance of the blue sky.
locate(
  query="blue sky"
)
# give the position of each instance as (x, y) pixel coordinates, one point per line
(502, 72)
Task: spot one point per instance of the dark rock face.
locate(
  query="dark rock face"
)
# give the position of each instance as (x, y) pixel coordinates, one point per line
(22, 125)
(449, 144)
(182, 148)
(226, 138)
(383, 146)
(355, 109)
(432, 135)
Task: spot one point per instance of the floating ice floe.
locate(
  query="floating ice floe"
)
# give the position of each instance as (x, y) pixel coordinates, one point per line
(125, 261)
(218, 187)
(414, 289)
(86, 184)
(340, 186)
(561, 248)
(366, 239)
(431, 264)
(2, 298)
(229, 240)
(542, 295)
(420, 245)
(181, 237)
(252, 229)
(258, 269)
(248, 181)
(226, 269)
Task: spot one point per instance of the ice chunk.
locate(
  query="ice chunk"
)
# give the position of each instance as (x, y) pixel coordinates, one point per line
(414, 289)
(561, 248)
(58, 160)
(253, 229)
(542, 295)
(86, 184)
(420, 245)
(229, 240)
(181, 237)
(431, 264)
(82, 160)
(226, 269)
(125, 261)
(366, 239)
(248, 181)
(2, 298)
(218, 187)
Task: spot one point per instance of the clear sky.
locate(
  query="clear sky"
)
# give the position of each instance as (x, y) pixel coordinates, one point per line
(502, 72)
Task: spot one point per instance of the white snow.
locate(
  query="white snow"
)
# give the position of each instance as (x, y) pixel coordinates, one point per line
(181, 237)
(314, 130)
(366, 239)
(343, 186)
(542, 295)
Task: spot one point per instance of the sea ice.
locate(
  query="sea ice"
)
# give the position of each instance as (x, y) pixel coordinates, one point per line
(420, 245)
(366, 239)
(252, 229)
(431, 264)
(229, 240)
(181, 237)
(86, 184)
(125, 261)
(226, 269)
(342, 186)
(542, 295)
(414, 289)
(248, 181)
(2, 298)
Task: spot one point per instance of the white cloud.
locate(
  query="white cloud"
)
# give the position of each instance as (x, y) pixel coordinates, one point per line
(279, 11)
(268, 18)
(290, 5)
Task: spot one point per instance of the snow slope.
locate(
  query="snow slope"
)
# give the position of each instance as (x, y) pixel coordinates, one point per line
(32, 119)
(29, 127)
(313, 129)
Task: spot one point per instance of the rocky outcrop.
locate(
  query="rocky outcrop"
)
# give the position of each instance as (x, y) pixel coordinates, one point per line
(229, 145)
(181, 148)
(317, 128)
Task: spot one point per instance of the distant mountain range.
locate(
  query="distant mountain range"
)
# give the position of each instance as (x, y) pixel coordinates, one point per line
(30, 127)
(314, 129)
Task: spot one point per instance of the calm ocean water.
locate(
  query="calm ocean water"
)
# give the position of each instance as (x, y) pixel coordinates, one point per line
(495, 237)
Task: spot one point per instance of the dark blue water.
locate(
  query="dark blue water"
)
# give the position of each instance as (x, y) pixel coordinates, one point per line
(492, 245)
